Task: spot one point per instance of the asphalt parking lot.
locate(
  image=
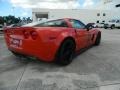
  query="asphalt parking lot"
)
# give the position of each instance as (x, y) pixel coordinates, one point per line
(98, 68)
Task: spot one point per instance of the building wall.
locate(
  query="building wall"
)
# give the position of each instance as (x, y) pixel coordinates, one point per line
(85, 15)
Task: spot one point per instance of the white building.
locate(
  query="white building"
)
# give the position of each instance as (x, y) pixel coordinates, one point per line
(85, 15)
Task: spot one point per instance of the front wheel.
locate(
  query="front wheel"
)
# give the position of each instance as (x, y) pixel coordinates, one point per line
(65, 52)
(98, 39)
(113, 26)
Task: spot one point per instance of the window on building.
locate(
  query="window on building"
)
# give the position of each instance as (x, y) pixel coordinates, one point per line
(103, 21)
(98, 14)
(97, 21)
(118, 5)
(104, 14)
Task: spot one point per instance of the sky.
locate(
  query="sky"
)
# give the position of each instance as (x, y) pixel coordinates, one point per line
(22, 8)
(7, 8)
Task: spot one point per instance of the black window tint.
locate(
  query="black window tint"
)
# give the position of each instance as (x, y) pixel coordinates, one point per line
(97, 21)
(104, 14)
(98, 14)
(77, 24)
(118, 21)
(113, 21)
(103, 21)
(55, 23)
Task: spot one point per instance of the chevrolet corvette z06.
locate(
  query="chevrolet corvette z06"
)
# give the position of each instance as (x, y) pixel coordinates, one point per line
(51, 40)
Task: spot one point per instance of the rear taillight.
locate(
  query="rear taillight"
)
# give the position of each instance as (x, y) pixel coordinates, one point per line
(34, 35)
(26, 34)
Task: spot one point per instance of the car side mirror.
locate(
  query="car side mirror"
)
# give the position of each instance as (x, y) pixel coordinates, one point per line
(88, 26)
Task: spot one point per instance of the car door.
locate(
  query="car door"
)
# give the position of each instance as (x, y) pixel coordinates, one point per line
(81, 33)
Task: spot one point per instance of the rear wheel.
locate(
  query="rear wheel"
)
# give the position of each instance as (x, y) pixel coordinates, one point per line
(105, 27)
(98, 39)
(65, 52)
(113, 26)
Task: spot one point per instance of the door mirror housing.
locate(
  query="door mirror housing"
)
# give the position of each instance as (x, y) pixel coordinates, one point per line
(89, 26)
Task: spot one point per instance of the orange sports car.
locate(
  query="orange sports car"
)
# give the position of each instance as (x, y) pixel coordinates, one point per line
(51, 40)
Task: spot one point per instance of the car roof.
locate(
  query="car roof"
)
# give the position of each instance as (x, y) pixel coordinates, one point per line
(42, 21)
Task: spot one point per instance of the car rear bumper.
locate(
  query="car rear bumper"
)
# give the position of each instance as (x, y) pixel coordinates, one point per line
(42, 50)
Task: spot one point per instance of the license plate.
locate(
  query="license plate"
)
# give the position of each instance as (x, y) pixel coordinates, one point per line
(15, 42)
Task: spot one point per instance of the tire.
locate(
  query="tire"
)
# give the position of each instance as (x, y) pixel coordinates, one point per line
(113, 26)
(105, 27)
(98, 39)
(65, 53)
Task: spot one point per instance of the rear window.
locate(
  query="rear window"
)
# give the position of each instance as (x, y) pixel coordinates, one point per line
(118, 21)
(112, 21)
(54, 23)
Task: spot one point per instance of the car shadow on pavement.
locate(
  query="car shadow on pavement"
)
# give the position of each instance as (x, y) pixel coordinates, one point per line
(41, 66)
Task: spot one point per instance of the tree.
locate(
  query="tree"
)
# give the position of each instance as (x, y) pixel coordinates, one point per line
(13, 20)
(9, 19)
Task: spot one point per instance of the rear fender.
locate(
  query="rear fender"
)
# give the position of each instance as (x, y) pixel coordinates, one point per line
(60, 39)
(94, 34)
